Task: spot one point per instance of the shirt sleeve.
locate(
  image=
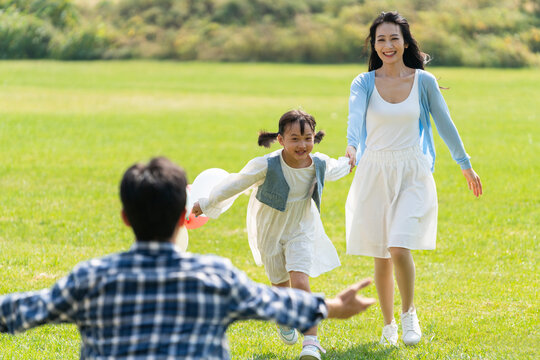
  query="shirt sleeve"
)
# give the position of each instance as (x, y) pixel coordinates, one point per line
(291, 307)
(445, 126)
(357, 109)
(335, 169)
(224, 193)
(22, 311)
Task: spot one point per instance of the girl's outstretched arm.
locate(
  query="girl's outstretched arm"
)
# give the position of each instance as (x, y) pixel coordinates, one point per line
(224, 193)
(335, 169)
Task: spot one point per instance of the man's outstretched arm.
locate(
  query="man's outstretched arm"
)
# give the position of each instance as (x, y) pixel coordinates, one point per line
(293, 307)
(22, 311)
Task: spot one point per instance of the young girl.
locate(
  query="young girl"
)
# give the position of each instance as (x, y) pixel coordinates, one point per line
(391, 208)
(285, 231)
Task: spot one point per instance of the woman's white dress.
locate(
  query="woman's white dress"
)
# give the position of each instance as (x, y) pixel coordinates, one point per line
(393, 200)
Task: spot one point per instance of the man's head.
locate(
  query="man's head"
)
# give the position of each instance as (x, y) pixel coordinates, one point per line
(154, 199)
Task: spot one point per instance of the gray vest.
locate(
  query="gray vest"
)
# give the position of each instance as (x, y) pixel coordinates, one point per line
(275, 190)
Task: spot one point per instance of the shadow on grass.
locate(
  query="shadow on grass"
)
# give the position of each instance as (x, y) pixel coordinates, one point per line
(363, 351)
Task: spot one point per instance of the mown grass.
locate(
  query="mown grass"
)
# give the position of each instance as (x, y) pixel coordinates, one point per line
(69, 130)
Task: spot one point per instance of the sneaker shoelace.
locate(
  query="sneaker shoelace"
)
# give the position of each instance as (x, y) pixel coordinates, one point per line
(409, 323)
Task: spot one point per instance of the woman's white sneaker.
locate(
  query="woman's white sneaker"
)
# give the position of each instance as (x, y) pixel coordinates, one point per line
(411, 328)
(389, 334)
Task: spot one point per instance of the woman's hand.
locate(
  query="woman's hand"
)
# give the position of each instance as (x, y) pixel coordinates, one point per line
(351, 154)
(196, 210)
(473, 180)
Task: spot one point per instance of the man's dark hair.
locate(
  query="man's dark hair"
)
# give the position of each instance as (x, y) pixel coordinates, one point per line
(153, 197)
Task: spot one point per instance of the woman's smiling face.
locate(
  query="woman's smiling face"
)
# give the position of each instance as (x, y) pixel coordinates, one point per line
(389, 43)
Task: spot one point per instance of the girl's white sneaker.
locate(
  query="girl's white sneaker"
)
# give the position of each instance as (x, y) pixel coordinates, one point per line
(288, 335)
(311, 350)
(411, 328)
(389, 334)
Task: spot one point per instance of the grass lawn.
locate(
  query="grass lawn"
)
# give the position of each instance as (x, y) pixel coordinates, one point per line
(69, 130)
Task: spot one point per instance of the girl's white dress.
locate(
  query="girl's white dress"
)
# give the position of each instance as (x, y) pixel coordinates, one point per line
(290, 240)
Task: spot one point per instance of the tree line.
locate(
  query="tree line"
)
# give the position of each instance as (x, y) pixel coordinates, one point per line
(482, 33)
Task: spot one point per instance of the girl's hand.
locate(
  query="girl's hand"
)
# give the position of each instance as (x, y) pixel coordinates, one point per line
(351, 154)
(196, 210)
(473, 180)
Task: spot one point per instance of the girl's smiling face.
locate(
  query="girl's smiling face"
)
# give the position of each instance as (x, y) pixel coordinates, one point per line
(389, 43)
(297, 145)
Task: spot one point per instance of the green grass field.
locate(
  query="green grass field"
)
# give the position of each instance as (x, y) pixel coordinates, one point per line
(69, 130)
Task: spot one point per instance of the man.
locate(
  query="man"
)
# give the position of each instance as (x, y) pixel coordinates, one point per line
(156, 302)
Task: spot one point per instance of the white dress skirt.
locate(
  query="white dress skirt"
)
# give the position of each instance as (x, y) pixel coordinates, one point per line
(392, 201)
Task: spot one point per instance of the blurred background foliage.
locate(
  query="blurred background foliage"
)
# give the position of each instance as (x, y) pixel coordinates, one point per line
(481, 33)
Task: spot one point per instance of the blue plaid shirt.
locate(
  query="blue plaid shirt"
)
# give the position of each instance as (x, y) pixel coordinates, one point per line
(153, 302)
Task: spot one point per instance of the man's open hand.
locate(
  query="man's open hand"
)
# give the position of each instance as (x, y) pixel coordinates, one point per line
(348, 303)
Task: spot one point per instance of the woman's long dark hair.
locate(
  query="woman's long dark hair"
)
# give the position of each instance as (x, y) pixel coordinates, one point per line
(412, 56)
(266, 138)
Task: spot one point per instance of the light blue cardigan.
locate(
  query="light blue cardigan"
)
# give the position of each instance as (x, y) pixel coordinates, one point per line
(431, 101)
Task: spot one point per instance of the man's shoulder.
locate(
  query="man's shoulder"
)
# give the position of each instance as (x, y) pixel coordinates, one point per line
(188, 263)
(98, 264)
(213, 272)
(123, 258)
(207, 262)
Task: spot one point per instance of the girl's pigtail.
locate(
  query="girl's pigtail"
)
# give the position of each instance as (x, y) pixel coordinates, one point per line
(266, 139)
(318, 137)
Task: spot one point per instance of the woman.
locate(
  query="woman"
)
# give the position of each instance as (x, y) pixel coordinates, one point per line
(391, 208)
